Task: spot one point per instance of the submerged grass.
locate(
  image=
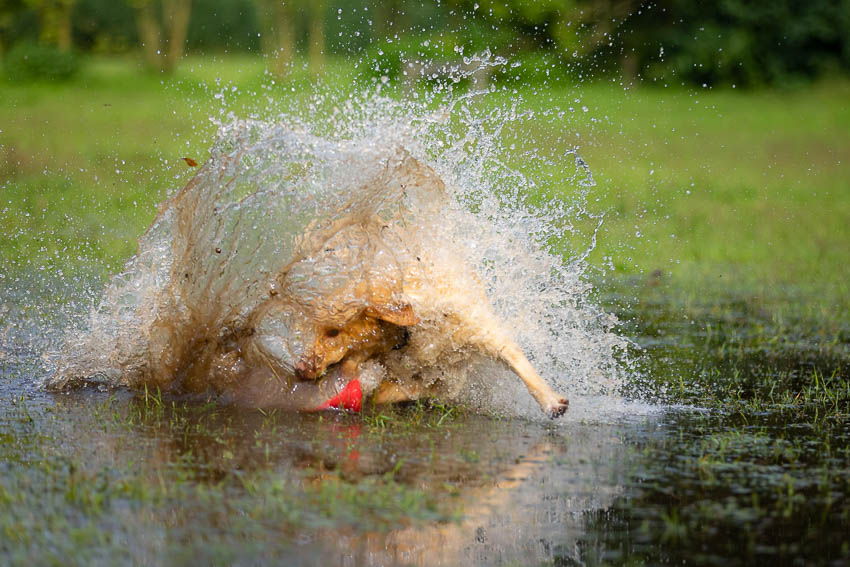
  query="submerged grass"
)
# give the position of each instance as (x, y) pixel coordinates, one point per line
(744, 354)
(723, 209)
(760, 475)
(728, 489)
(164, 467)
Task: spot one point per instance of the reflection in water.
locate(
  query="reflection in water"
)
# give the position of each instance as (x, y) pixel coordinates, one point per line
(525, 515)
(105, 478)
(96, 478)
(414, 487)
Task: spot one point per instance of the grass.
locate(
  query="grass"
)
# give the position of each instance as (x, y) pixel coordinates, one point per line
(725, 489)
(720, 191)
(84, 164)
(251, 482)
(729, 187)
(722, 208)
(719, 205)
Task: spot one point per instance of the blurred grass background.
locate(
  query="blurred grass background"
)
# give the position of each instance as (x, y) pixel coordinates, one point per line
(730, 187)
(719, 174)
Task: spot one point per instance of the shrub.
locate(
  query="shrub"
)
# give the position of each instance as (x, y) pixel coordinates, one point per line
(32, 62)
(532, 68)
(739, 42)
(388, 58)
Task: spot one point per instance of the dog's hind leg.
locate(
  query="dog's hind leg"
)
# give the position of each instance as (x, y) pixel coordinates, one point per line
(391, 392)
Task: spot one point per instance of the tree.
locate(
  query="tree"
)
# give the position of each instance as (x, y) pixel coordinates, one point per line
(739, 42)
(9, 11)
(281, 26)
(277, 34)
(316, 39)
(54, 21)
(389, 17)
(163, 40)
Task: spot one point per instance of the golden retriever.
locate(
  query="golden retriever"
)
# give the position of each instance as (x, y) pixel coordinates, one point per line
(368, 305)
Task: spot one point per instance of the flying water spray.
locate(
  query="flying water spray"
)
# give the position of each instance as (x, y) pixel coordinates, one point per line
(437, 174)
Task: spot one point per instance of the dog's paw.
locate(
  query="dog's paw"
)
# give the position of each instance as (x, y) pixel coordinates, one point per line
(558, 408)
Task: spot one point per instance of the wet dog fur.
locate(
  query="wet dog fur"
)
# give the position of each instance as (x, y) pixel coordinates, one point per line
(410, 315)
(365, 297)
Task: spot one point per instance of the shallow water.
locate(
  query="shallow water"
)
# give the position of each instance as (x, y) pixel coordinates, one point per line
(99, 477)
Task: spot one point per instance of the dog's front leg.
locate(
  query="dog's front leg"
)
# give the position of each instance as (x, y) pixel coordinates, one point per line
(553, 404)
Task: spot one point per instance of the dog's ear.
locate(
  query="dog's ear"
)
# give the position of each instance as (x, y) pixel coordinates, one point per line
(400, 314)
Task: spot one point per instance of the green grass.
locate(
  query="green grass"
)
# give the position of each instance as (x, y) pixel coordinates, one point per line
(727, 189)
(199, 462)
(84, 164)
(734, 188)
(750, 182)
(710, 197)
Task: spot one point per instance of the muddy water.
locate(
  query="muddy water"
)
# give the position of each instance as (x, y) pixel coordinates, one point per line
(100, 477)
(301, 224)
(104, 477)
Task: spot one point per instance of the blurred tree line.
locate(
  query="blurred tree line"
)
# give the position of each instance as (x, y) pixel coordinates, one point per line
(720, 42)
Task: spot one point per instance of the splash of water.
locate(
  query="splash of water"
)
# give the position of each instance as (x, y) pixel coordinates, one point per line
(272, 186)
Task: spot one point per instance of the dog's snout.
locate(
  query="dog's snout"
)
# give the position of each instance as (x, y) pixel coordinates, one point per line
(307, 368)
(302, 369)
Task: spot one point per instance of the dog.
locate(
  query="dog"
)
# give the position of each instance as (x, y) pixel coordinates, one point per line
(368, 304)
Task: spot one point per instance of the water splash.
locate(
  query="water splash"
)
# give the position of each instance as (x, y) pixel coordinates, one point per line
(273, 183)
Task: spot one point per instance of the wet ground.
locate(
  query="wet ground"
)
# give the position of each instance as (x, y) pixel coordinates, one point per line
(744, 458)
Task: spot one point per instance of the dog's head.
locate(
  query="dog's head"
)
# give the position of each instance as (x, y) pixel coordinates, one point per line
(343, 298)
(296, 343)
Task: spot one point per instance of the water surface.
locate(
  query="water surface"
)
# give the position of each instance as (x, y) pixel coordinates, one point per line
(99, 477)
